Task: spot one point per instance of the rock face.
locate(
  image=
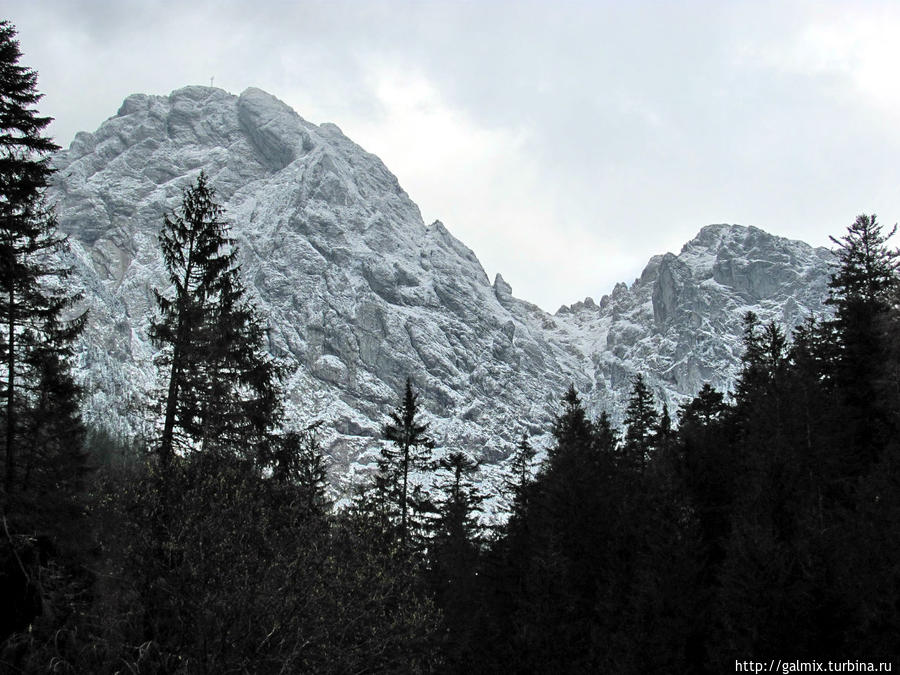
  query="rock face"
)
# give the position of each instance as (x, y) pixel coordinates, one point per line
(680, 323)
(359, 292)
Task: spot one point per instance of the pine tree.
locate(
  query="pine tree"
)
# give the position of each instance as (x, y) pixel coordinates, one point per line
(812, 414)
(571, 428)
(706, 407)
(36, 329)
(807, 352)
(765, 354)
(44, 461)
(299, 466)
(867, 268)
(580, 454)
(455, 548)
(54, 461)
(863, 291)
(563, 553)
(605, 441)
(409, 450)
(462, 499)
(25, 162)
(521, 471)
(223, 391)
(423, 517)
(641, 421)
(663, 432)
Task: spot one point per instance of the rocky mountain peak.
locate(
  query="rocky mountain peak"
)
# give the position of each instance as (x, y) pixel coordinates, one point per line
(359, 293)
(502, 289)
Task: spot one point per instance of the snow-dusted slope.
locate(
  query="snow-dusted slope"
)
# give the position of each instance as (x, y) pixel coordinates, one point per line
(359, 292)
(680, 322)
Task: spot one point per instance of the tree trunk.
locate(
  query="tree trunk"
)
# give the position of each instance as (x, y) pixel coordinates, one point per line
(167, 442)
(165, 445)
(10, 403)
(403, 496)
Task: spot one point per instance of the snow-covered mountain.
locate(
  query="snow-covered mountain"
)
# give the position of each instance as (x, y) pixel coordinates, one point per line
(359, 292)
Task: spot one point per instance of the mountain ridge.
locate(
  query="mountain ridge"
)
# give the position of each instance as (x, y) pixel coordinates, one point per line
(359, 292)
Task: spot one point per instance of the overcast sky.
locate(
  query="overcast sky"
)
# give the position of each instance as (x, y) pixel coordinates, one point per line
(565, 143)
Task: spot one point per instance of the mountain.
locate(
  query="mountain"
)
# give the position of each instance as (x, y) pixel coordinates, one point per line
(359, 292)
(681, 321)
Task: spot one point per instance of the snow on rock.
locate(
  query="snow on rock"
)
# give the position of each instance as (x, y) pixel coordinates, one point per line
(680, 323)
(359, 293)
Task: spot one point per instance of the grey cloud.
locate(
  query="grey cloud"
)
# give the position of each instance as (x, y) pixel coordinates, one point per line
(647, 119)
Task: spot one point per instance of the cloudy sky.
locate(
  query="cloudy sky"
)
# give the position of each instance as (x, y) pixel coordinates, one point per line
(564, 142)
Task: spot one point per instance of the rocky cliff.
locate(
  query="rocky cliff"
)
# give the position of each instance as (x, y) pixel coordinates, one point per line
(359, 292)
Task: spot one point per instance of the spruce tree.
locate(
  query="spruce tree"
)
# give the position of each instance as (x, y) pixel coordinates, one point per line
(605, 439)
(765, 354)
(298, 466)
(641, 421)
(663, 432)
(409, 450)
(44, 463)
(53, 461)
(25, 162)
(455, 549)
(457, 526)
(461, 498)
(222, 390)
(706, 407)
(36, 326)
(863, 291)
(571, 428)
(521, 472)
(867, 268)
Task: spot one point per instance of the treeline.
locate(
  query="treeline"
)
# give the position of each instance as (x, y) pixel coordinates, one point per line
(759, 524)
(762, 524)
(765, 526)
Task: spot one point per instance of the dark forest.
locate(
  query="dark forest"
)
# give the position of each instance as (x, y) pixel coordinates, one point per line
(757, 524)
